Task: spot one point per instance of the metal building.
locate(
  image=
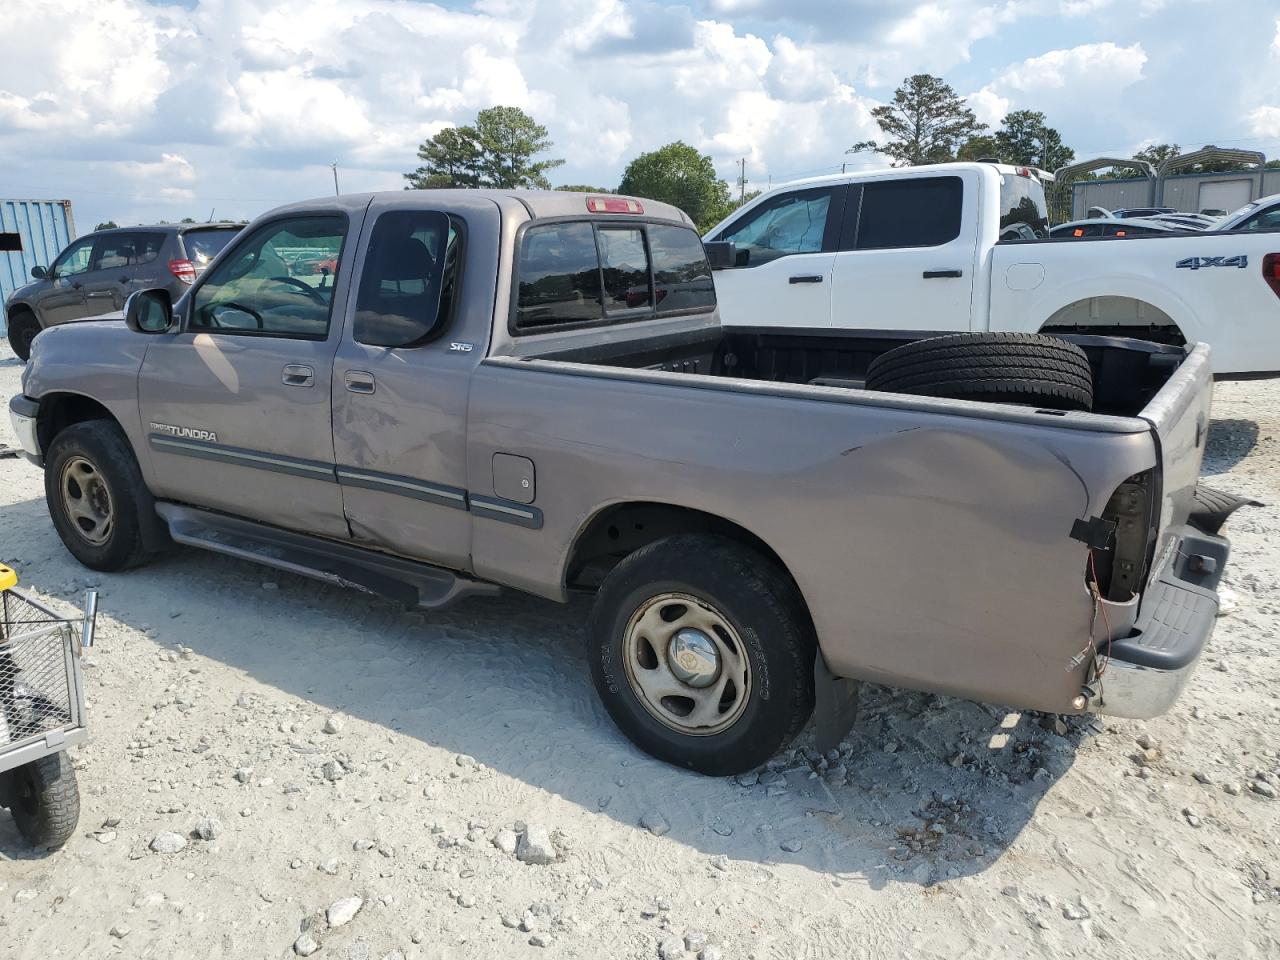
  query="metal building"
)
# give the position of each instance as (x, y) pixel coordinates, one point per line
(1165, 187)
(32, 233)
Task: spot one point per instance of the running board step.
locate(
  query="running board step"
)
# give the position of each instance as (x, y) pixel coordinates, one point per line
(340, 564)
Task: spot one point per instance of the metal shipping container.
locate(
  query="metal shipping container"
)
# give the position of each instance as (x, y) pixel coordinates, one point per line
(32, 233)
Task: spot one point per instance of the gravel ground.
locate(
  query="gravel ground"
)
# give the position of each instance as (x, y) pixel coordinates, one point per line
(279, 768)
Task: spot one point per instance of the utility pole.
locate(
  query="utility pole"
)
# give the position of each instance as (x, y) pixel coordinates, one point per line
(334, 166)
(742, 180)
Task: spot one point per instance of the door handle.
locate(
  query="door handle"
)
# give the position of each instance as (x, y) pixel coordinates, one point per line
(360, 381)
(806, 278)
(124, 279)
(76, 285)
(941, 274)
(298, 375)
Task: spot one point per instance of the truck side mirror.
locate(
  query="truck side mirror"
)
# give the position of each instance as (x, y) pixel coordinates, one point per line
(721, 254)
(40, 273)
(148, 311)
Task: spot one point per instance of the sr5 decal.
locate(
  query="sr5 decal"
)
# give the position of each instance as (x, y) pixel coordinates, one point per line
(1196, 263)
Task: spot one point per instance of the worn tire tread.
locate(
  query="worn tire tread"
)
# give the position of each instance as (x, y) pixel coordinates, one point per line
(709, 557)
(113, 454)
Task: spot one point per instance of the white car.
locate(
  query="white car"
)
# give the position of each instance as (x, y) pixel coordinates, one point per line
(962, 246)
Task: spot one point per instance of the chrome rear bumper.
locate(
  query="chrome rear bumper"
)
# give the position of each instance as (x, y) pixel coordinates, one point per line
(1148, 669)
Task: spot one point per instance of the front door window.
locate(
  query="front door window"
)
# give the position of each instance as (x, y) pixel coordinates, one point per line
(277, 282)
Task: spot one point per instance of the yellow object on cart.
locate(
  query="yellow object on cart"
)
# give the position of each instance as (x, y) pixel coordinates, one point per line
(8, 578)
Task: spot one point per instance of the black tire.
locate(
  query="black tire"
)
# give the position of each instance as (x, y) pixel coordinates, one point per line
(45, 800)
(23, 327)
(1024, 368)
(765, 611)
(103, 445)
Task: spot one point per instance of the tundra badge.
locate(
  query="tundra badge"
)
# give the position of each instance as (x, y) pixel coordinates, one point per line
(190, 433)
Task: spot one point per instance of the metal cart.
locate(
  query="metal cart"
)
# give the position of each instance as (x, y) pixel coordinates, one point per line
(41, 712)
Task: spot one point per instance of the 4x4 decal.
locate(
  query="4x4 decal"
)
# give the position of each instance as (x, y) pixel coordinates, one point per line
(1196, 263)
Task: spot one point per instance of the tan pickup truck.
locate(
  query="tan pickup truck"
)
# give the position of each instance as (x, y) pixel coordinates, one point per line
(488, 389)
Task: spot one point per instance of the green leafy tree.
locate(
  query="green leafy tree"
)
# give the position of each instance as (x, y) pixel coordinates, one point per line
(449, 159)
(926, 122)
(509, 140)
(107, 225)
(498, 150)
(583, 188)
(981, 147)
(1025, 138)
(679, 175)
(1157, 154)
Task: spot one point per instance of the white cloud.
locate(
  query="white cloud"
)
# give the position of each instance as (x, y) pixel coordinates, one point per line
(243, 103)
(1265, 121)
(75, 65)
(988, 106)
(171, 177)
(1089, 80)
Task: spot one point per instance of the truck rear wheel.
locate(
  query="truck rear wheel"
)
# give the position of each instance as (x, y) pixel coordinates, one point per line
(45, 800)
(1025, 368)
(702, 653)
(23, 327)
(95, 494)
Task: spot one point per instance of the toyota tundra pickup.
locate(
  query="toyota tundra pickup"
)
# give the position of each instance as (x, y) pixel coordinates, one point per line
(533, 390)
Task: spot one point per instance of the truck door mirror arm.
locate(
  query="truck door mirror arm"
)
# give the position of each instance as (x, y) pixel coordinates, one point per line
(724, 254)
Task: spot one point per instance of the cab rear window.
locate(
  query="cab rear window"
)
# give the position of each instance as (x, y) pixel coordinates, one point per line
(582, 273)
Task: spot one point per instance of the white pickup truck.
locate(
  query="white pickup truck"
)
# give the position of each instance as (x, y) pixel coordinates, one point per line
(961, 246)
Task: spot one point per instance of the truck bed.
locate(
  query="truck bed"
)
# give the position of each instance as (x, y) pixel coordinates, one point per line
(1127, 373)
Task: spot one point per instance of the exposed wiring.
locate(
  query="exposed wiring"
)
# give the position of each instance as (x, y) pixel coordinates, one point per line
(1099, 605)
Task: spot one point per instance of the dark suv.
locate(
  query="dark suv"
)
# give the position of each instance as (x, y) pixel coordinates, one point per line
(96, 273)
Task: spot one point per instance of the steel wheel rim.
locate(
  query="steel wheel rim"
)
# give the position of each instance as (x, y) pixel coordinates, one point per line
(86, 500)
(698, 711)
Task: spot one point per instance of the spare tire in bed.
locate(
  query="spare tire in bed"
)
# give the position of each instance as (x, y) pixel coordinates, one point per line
(1024, 368)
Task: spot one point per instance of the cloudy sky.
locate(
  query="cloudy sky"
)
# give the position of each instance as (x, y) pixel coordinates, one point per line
(150, 109)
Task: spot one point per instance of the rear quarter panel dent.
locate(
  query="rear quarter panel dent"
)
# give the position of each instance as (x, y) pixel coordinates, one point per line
(930, 548)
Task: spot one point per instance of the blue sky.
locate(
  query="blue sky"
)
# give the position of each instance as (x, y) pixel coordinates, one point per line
(140, 109)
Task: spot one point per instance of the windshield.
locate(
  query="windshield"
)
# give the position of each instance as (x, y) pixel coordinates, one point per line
(203, 245)
(1235, 215)
(1024, 215)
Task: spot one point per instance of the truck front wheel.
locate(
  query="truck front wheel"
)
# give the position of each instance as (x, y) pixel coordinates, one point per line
(702, 653)
(95, 494)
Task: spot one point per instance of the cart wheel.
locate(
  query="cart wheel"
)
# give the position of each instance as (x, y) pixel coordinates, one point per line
(46, 800)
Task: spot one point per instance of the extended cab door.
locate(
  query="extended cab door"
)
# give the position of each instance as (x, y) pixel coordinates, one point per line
(403, 372)
(236, 402)
(908, 253)
(786, 252)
